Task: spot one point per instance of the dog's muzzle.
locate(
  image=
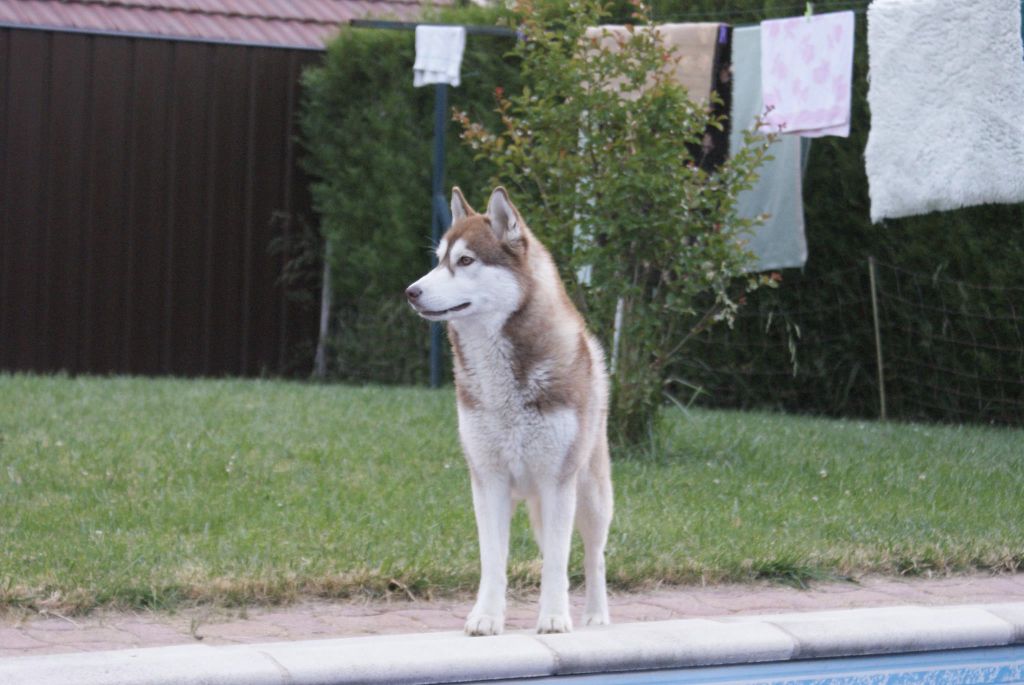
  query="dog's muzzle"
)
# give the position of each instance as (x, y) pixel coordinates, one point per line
(413, 293)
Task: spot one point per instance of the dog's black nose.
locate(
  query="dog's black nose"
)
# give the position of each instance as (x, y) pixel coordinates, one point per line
(412, 292)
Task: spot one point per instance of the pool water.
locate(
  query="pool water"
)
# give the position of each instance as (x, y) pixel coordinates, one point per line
(986, 666)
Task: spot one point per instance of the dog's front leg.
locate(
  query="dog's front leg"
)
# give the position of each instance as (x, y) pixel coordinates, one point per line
(558, 505)
(492, 503)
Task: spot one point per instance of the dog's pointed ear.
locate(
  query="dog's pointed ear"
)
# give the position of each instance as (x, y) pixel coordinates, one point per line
(460, 208)
(505, 220)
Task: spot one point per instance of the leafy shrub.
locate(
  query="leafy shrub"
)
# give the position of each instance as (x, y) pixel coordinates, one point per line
(604, 147)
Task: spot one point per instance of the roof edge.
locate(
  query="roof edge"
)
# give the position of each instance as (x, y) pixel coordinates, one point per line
(106, 33)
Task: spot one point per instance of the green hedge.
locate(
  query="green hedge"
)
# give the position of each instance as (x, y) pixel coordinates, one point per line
(368, 134)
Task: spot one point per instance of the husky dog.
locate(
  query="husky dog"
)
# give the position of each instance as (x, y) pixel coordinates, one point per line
(532, 399)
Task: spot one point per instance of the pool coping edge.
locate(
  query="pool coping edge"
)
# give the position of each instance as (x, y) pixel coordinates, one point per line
(453, 657)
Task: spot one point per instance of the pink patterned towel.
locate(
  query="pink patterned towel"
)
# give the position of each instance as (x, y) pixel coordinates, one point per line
(806, 70)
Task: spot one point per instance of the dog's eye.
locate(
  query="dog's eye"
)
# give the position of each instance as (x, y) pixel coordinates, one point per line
(465, 260)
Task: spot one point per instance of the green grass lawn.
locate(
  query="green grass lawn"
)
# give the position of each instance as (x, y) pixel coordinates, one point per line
(136, 492)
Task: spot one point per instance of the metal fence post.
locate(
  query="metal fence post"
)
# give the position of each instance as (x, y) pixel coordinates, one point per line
(326, 296)
(878, 337)
(440, 218)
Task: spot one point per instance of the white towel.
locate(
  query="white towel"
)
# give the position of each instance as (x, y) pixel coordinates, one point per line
(806, 72)
(779, 242)
(438, 54)
(947, 105)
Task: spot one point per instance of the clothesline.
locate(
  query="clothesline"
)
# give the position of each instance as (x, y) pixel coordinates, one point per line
(857, 6)
(483, 30)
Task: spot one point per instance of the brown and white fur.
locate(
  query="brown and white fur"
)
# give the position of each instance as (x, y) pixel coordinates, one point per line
(532, 398)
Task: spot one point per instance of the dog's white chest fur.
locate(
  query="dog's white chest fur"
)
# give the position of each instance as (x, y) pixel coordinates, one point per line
(502, 431)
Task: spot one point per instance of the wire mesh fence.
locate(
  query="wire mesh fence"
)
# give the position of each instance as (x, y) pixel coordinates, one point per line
(952, 350)
(941, 349)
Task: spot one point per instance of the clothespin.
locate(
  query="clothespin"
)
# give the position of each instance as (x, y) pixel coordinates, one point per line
(809, 11)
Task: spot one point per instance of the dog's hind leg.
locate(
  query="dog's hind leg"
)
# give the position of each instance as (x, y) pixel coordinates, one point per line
(492, 504)
(593, 518)
(536, 523)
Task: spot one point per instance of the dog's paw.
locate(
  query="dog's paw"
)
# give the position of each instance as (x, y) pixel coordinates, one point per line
(483, 624)
(554, 623)
(596, 619)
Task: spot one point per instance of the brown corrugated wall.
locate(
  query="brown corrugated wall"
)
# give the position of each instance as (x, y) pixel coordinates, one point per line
(139, 184)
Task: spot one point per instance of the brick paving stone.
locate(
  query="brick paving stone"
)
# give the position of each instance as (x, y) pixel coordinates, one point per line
(521, 615)
(386, 623)
(149, 632)
(967, 587)
(907, 592)
(46, 650)
(762, 600)
(54, 625)
(433, 619)
(344, 624)
(91, 646)
(365, 607)
(679, 604)
(240, 632)
(90, 635)
(22, 651)
(864, 597)
(354, 626)
(14, 639)
(301, 622)
(634, 612)
(346, 609)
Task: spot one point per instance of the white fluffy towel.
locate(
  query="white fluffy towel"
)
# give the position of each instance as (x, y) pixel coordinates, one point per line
(947, 105)
(438, 54)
